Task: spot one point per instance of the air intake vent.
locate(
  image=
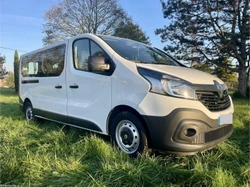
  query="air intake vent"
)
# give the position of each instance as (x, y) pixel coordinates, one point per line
(218, 133)
(212, 135)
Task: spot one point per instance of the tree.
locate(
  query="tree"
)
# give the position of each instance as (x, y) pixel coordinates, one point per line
(210, 31)
(16, 71)
(220, 71)
(203, 67)
(2, 68)
(9, 80)
(130, 30)
(225, 74)
(72, 17)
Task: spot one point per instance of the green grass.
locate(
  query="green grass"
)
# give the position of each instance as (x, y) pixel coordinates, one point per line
(50, 154)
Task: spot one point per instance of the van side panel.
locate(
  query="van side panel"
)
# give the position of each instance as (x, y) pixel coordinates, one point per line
(46, 93)
(128, 86)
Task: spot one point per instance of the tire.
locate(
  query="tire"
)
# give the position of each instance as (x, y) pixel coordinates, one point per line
(128, 134)
(28, 112)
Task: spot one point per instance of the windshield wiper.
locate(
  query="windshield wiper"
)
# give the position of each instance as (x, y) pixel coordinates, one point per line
(138, 61)
(160, 63)
(153, 62)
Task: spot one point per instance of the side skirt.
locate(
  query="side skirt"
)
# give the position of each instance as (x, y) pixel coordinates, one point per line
(71, 121)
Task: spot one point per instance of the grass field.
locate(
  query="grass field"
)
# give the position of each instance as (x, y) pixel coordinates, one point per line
(50, 154)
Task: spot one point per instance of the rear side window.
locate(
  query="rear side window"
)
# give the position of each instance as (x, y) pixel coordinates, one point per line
(47, 63)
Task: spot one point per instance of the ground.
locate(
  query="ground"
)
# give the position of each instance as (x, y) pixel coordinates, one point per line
(49, 154)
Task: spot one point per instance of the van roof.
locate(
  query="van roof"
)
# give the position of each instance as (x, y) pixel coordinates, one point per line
(56, 44)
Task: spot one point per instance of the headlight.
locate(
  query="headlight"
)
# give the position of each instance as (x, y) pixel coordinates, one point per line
(224, 86)
(167, 84)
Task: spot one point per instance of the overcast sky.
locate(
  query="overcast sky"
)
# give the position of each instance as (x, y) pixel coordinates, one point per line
(21, 23)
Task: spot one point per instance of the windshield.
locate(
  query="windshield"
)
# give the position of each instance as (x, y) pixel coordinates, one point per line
(138, 52)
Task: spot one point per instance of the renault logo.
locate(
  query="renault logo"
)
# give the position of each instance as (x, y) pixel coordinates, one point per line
(219, 89)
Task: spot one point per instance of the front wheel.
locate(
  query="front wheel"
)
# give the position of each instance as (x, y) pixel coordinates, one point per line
(128, 133)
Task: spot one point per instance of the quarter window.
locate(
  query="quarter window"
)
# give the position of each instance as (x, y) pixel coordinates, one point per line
(47, 63)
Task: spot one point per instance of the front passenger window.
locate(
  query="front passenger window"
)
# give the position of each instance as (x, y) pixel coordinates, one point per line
(81, 54)
(83, 49)
(96, 50)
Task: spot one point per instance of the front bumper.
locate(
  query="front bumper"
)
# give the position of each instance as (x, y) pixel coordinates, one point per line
(185, 131)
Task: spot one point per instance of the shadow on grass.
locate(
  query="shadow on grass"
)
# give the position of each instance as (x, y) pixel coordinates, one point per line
(10, 110)
(13, 111)
(8, 91)
(78, 133)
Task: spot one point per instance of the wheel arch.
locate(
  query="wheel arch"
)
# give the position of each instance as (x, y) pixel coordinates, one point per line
(121, 108)
(26, 100)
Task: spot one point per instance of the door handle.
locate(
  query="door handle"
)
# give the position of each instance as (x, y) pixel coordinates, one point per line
(58, 86)
(74, 86)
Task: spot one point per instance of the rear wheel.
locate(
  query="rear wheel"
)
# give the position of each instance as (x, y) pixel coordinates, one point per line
(128, 134)
(28, 112)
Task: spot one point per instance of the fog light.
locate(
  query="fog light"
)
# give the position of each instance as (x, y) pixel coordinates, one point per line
(190, 132)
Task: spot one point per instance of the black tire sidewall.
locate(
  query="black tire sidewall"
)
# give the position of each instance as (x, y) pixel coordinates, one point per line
(28, 104)
(137, 122)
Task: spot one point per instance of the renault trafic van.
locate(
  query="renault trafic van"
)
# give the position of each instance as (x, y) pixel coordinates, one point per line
(135, 93)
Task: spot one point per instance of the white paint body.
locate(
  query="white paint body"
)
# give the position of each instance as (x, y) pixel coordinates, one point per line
(44, 96)
(97, 95)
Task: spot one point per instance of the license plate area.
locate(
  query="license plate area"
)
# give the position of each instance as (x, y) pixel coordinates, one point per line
(225, 119)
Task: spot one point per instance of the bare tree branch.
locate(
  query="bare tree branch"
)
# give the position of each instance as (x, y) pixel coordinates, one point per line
(72, 17)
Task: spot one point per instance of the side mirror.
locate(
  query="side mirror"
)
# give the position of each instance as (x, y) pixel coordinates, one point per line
(97, 63)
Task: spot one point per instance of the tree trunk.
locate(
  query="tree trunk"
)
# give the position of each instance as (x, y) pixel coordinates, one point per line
(248, 76)
(242, 79)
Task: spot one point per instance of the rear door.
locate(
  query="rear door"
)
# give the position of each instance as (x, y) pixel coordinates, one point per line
(89, 93)
(43, 82)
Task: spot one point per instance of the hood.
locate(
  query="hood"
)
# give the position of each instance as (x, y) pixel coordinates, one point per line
(191, 75)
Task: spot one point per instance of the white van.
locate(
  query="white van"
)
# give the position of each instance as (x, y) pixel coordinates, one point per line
(133, 92)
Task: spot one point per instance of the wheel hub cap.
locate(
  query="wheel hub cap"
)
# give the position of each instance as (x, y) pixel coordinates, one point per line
(29, 114)
(127, 136)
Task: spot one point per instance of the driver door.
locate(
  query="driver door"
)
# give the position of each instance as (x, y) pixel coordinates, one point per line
(89, 93)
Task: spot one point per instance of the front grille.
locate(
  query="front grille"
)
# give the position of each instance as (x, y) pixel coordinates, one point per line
(212, 101)
(205, 137)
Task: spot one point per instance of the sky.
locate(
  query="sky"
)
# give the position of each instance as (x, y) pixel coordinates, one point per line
(21, 23)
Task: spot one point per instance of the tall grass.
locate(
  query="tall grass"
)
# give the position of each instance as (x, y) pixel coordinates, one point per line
(50, 154)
